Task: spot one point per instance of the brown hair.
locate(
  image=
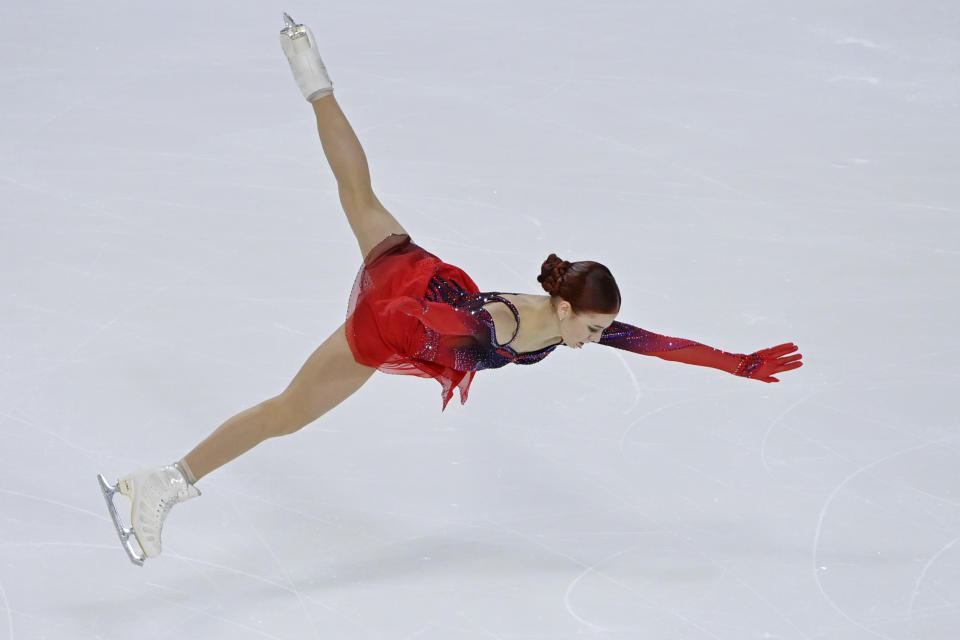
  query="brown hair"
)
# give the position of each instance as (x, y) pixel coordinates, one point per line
(588, 286)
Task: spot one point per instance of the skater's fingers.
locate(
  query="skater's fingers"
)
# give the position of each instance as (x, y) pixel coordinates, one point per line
(773, 352)
(784, 349)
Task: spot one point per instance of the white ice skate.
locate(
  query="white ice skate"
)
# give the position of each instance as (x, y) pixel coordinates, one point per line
(152, 492)
(300, 47)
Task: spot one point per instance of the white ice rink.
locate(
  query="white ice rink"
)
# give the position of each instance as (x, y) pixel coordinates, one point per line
(172, 249)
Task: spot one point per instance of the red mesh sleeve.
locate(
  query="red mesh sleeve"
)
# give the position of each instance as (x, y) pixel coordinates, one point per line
(624, 336)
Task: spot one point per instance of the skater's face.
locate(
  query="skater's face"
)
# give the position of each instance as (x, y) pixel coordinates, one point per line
(577, 329)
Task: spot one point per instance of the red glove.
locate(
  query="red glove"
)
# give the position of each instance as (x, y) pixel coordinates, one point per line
(761, 365)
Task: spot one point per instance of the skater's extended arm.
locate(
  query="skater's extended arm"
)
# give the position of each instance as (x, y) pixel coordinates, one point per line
(760, 365)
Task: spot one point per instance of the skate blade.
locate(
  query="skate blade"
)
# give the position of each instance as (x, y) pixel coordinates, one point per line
(125, 533)
(291, 29)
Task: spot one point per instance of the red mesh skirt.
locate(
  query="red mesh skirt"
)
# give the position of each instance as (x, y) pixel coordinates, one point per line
(384, 327)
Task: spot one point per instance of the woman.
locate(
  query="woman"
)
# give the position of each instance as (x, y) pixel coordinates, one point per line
(410, 313)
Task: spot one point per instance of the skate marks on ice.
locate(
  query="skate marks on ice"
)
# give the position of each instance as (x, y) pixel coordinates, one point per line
(880, 425)
(197, 611)
(637, 391)
(598, 628)
(251, 526)
(274, 584)
(776, 421)
(818, 569)
(56, 503)
(881, 500)
(923, 573)
(568, 594)
(633, 592)
(6, 607)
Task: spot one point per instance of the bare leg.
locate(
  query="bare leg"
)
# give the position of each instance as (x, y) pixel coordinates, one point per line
(328, 377)
(331, 374)
(368, 218)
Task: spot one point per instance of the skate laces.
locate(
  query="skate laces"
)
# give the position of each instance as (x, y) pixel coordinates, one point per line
(170, 494)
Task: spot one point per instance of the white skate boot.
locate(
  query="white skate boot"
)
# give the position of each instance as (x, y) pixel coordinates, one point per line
(300, 47)
(153, 493)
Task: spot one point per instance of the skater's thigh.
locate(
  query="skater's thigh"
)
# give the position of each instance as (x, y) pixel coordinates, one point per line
(327, 378)
(369, 220)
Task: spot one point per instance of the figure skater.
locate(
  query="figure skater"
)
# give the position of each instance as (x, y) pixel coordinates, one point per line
(410, 313)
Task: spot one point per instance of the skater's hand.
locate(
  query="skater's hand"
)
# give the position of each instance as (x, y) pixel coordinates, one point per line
(761, 365)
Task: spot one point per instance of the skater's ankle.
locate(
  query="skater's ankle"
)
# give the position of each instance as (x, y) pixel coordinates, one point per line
(186, 470)
(320, 97)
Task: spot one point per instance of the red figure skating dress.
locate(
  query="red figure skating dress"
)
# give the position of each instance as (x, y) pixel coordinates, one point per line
(410, 313)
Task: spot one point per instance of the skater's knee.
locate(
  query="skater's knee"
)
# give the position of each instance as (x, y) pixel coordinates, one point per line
(358, 200)
(283, 416)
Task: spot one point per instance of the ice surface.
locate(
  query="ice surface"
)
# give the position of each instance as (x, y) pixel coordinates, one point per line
(172, 249)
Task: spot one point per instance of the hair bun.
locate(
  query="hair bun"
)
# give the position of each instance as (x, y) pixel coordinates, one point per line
(551, 273)
(586, 285)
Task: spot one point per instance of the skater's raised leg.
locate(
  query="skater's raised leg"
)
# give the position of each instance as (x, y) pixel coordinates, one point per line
(368, 218)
